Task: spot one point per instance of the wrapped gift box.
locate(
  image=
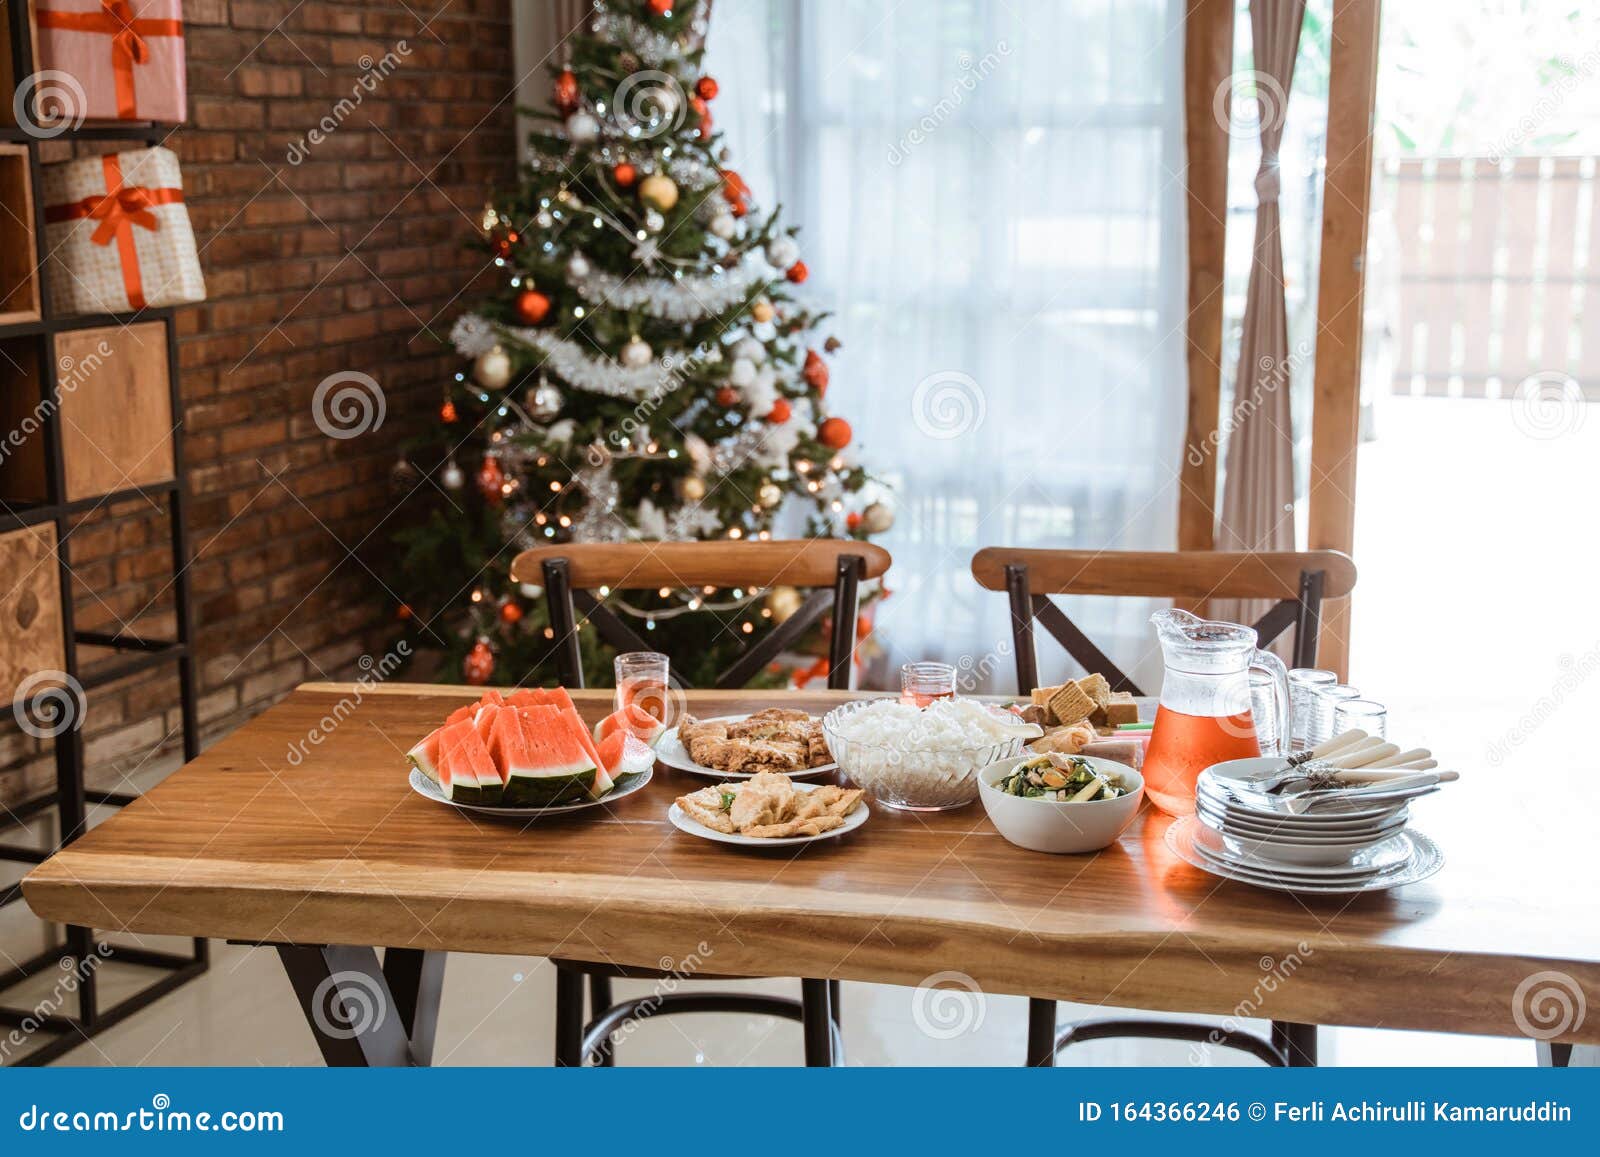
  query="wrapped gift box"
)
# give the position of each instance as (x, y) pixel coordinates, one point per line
(125, 55)
(118, 231)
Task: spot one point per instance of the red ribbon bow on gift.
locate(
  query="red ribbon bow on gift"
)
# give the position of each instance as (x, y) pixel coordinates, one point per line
(128, 47)
(118, 210)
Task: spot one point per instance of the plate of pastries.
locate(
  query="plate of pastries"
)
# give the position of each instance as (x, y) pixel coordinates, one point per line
(777, 739)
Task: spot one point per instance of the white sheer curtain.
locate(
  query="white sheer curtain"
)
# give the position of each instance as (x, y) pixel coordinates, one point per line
(992, 198)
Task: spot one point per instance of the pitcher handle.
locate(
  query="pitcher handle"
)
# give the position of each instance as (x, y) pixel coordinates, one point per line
(1270, 663)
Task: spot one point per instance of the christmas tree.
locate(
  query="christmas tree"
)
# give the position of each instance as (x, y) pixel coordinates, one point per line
(645, 372)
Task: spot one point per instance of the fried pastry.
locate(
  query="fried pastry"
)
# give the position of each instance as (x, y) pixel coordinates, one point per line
(769, 806)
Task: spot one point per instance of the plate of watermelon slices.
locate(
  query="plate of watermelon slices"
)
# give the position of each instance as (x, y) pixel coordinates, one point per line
(527, 754)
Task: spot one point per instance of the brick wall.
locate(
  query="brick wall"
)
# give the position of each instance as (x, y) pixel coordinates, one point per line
(351, 259)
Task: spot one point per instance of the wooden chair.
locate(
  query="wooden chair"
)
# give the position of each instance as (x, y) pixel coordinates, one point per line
(833, 570)
(1299, 581)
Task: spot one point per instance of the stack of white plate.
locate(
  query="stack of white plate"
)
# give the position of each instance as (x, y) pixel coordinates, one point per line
(1239, 833)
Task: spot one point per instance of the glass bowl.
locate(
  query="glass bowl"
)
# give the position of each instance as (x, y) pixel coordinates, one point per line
(908, 775)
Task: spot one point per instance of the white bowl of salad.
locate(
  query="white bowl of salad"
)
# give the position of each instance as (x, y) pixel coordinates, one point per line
(1060, 803)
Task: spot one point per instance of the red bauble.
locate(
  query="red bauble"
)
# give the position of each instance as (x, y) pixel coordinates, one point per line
(478, 667)
(815, 372)
(510, 613)
(781, 412)
(566, 92)
(733, 187)
(502, 245)
(491, 478)
(661, 7)
(702, 114)
(852, 520)
(403, 612)
(705, 88)
(728, 397)
(532, 306)
(739, 208)
(798, 272)
(835, 433)
(863, 627)
(447, 412)
(624, 174)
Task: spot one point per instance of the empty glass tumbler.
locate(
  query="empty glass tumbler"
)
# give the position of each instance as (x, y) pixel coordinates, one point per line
(1304, 683)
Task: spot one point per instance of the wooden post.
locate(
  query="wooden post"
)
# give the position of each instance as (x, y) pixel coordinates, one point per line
(1207, 64)
(1347, 191)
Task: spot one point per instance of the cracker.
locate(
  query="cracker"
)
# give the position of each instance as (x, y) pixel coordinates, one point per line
(1070, 704)
(1121, 709)
(1096, 688)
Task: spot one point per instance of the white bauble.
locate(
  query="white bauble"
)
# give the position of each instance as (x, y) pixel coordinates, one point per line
(783, 252)
(877, 518)
(492, 369)
(532, 591)
(451, 477)
(724, 226)
(543, 402)
(578, 266)
(582, 129)
(751, 350)
(742, 372)
(637, 353)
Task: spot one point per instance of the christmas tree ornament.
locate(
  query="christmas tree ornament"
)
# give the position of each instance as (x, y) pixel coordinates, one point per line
(734, 190)
(636, 354)
(659, 192)
(762, 311)
(531, 591)
(783, 602)
(451, 477)
(750, 349)
(781, 412)
(833, 345)
(403, 475)
(532, 307)
(877, 518)
(654, 223)
(797, 272)
(782, 252)
(727, 397)
(835, 433)
(491, 478)
(510, 613)
(492, 369)
(815, 372)
(739, 208)
(627, 62)
(404, 612)
(705, 88)
(724, 226)
(661, 7)
(742, 371)
(478, 667)
(624, 175)
(702, 117)
(447, 412)
(852, 520)
(565, 95)
(692, 487)
(582, 128)
(544, 219)
(504, 244)
(578, 266)
(770, 494)
(543, 401)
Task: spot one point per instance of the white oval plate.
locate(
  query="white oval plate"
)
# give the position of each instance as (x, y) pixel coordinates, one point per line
(1268, 832)
(426, 788)
(685, 823)
(1363, 859)
(672, 753)
(1425, 860)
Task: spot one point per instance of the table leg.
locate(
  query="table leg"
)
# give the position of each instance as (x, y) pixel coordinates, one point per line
(1297, 1043)
(817, 1022)
(355, 1016)
(569, 1017)
(600, 1002)
(1041, 1033)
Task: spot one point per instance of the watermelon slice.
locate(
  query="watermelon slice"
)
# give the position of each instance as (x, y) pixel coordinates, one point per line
(621, 753)
(425, 755)
(559, 766)
(541, 697)
(466, 773)
(635, 720)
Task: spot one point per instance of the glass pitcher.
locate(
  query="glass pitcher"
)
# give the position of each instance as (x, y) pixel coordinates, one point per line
(1205, 716)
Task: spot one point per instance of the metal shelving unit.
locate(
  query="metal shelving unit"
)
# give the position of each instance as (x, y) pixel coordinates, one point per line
(127, 654)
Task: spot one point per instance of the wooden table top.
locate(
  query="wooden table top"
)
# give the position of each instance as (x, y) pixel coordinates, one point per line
(273, 835)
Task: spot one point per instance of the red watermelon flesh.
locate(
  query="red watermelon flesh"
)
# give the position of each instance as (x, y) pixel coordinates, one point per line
(635, 720)
(621, 753)
(508, 747)
(458, 770)
(425, 756)
(560, 768)
(541, 697)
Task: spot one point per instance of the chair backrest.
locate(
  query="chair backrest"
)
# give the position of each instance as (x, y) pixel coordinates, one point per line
(571, 571)
(1298, 580)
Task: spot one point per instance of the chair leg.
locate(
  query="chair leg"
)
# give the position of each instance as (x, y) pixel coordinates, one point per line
(600, 1000)
(569, 1018)
(834, 1005)
(1041, 1033)
(817, 1022)
(1297, 1043)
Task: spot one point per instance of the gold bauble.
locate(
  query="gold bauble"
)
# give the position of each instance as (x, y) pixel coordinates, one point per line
(659, 192)
(762, 311)
(692, 488)
(492, 370)
(877, 518)
(783, 602)
(770, 494)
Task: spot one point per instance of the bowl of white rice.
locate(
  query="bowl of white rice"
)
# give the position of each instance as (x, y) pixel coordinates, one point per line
(922, 758)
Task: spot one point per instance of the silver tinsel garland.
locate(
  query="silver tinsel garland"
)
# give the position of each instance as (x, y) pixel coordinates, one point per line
(652, 47)
(473, 335)
(692, 297)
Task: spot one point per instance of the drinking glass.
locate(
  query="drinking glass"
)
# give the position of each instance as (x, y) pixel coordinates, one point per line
(1263, 713)
(1329, 698)
(1367, 714)
(642, 681)
(1304, 683)
(922, 683)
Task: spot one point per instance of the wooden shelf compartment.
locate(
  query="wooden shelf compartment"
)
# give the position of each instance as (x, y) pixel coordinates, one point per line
(19, 252)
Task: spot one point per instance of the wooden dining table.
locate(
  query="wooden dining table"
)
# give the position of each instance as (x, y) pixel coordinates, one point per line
(299, 830)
